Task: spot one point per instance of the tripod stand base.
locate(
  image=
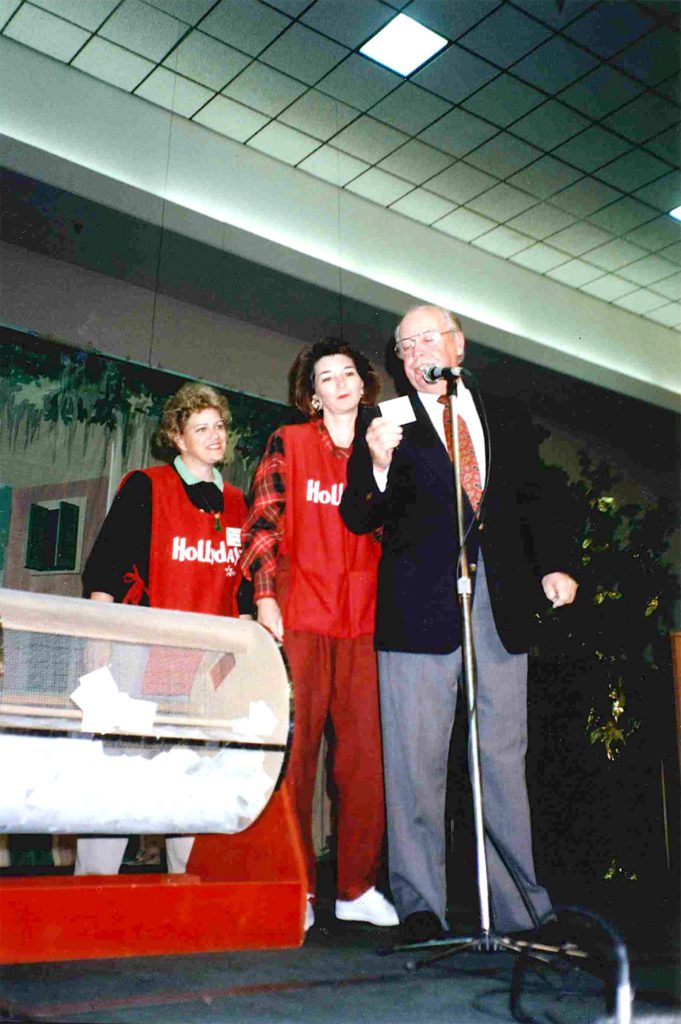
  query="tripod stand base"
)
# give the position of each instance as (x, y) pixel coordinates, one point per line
(483, 942)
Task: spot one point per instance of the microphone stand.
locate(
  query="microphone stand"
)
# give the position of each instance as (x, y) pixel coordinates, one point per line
(487, 940)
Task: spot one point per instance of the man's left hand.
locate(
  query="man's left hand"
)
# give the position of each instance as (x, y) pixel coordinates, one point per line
(559, 588)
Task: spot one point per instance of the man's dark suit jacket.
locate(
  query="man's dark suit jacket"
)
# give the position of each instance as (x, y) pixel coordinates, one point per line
(519, 531)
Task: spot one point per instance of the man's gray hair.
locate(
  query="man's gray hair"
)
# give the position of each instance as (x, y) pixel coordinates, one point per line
(451, 318)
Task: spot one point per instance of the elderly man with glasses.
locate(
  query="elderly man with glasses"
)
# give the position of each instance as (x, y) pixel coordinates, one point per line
(400, 479)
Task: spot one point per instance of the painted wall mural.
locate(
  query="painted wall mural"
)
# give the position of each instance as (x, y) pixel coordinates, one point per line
(72, 423)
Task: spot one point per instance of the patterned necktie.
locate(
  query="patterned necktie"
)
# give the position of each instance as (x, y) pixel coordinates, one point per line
(470, 471)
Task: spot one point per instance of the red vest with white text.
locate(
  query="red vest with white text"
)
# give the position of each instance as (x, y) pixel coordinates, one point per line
(331, 585)
(192, 567)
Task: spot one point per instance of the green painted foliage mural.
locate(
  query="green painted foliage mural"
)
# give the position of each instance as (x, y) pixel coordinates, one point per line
(46, 383)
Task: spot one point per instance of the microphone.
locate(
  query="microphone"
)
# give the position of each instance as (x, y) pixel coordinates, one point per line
(432, 374)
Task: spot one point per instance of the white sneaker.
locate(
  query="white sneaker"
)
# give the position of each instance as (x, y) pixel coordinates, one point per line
(371, 907)
(309, 914)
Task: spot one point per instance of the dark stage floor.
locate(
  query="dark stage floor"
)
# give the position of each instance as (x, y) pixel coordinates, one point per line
(338, 976)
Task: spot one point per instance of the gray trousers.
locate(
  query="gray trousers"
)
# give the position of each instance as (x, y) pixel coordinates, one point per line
(418, 704)
(103, 855)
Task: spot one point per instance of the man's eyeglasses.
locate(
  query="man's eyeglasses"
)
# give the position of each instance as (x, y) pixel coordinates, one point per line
(405, 346)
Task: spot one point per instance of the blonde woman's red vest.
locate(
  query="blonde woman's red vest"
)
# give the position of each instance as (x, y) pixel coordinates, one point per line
(327, 582)
(192, 567)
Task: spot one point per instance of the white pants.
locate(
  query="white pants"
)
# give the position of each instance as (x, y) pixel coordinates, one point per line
(103, 856)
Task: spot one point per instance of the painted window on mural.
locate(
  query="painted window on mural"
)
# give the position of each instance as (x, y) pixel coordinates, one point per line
(54, 532)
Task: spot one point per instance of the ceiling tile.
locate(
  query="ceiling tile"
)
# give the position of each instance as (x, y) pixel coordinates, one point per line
(608, 28)
(501, 203)
(585, 197)
(264, 89)
(503, 155)
(579, 238)
(230, 118)
(669, 315)
(539, 258)
(318, 115)
(558, 15)
(653, 58)
(592, 149)
(423, 206)
(575, 273)
(549, 125)
(455, 74)
(410, 109)
(333, 166)
(665, 193)
(246, 24)
(7, 9)
(304, 54)
(503, 242)
(541, 221)
(174, 92)
(651, 270)
(88, 15)
(458, 132)
(460, 183)
(292, 7)
(671, 88)
(369, 140)
(667, 146)
(632, 171)
(554, 65)
(143, 29)
(623, 216)
(656, 234)
(672, 252)
(283, 143)
(359, 82)
(416, 162)
(450, 19)
(670, 287)
(615, 255)
(504, 100)
(545, 177)
(600, 92)
(641, 301)
(42, 31)
(346, 21)
(608, 287)
(505, 36)
(113, 64)
(464, 224)
(206, 60)
(190, 11)
(378, 186)
(644, 117)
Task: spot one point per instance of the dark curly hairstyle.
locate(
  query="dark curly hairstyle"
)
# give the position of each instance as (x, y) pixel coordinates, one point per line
(303, 373)
(188, 399)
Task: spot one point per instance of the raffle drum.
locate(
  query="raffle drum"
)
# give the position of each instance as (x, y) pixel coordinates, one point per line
(117, 719)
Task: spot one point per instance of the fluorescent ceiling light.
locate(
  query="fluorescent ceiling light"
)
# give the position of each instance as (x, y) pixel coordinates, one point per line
(403, 45)
(676, 213)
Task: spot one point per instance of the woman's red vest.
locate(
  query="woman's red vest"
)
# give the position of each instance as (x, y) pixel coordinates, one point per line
(327, 582)
(192, 567)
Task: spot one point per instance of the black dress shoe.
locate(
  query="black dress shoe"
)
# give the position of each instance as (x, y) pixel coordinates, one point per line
(550, 932)
(421, 926)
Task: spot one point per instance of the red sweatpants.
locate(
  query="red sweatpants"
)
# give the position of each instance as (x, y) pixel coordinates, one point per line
(338, 678)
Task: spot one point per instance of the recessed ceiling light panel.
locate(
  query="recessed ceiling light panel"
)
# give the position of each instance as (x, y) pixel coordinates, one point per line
(403, 45)
(675, 213)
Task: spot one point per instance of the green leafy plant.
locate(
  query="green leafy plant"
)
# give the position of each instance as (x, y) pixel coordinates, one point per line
(601, 696)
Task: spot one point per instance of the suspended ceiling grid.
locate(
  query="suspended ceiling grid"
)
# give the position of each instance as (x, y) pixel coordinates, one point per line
(545, 133)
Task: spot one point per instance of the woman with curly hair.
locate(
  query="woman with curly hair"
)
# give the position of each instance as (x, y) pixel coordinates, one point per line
(159, 516)
(314, 588)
